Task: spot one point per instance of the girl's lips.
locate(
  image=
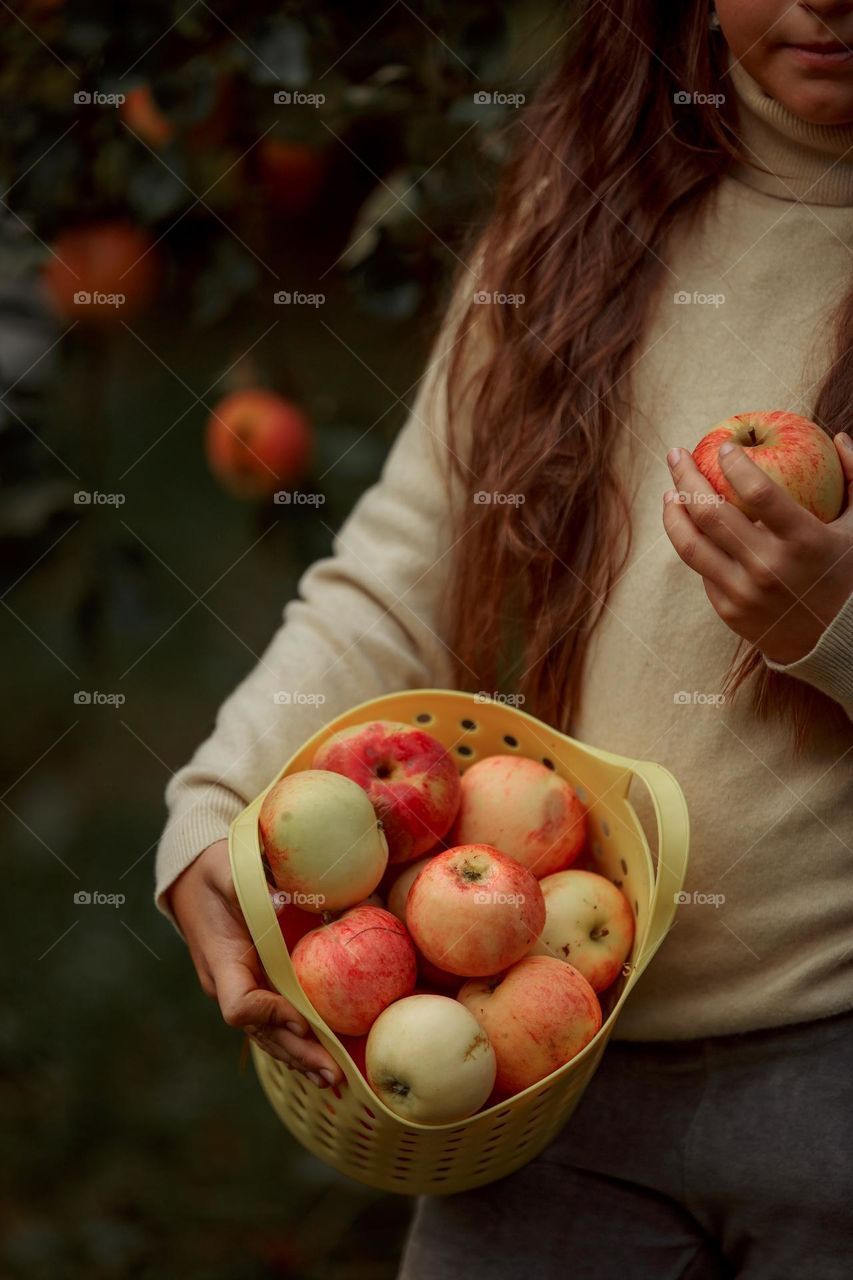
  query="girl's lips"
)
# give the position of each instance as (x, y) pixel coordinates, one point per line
(829, 54)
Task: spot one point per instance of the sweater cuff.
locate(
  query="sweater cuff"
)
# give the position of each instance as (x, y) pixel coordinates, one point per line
(188, 833)
(829, 665)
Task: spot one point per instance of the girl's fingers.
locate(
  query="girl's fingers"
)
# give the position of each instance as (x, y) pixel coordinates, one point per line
(694, 548)
(844, 448)
(763, 498)
(730, 530)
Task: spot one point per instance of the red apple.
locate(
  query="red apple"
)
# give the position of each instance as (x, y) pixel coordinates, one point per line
(143, 117)
(322, 840)
(588, 923)
(257, 442)
(356, 1047)
(355, 967)
(102, 273)
(293, 921)
(794, 452)
(411, 780)
(537, 1015)
(524, 809)
(473, 911)
(292, 175)
(427, 1063)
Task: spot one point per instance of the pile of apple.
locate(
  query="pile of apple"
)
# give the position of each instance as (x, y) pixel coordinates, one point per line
(481, 974)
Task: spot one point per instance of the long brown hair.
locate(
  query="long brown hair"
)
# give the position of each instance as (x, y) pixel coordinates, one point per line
(603, 166)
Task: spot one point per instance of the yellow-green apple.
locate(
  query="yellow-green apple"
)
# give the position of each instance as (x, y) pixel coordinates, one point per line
(524, 809)
(473, 910)
(102, 273)
(793, 451)
(354, 967)
(411, 780)
(322, 840)
(256, 442)
(427, 1063)
(537, 1015)
(588, 923)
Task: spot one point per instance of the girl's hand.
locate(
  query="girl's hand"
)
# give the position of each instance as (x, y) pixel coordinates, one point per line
(777, 583)
(205, 906)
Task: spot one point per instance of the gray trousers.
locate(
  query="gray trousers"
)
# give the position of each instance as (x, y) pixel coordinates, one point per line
(695, 1160)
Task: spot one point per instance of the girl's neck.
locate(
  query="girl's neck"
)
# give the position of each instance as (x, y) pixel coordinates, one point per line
(800, 161)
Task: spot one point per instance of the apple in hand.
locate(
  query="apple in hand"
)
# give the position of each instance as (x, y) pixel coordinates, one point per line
(537, 1015)
(322, 840)
(794, 452)
(412, 782)
(355, 967)
(473, 910)
(527, 811)
(429, 1060)
(588, 923)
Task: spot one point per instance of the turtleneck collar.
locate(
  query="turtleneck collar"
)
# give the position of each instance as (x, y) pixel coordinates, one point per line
(808, 162)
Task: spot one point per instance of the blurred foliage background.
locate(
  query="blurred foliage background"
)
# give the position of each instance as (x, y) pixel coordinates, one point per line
(199, 158)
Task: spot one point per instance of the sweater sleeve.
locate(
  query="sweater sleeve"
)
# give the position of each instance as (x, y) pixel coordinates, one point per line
(366, 620)
(829, 665)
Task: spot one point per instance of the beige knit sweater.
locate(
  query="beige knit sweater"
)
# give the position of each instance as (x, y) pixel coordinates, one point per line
(771, 833)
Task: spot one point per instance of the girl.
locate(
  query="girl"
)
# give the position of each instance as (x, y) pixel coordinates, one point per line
(674, 238)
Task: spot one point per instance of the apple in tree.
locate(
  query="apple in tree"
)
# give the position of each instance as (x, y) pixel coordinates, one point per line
(588, 923)
(144, 117)
(427, 1063)
(793, 451)
(537, 1015)
(102, 273)
(524, 809)
(292, 175)
(411, 780)
(257, 442)
(322, 840)
(354, 967)
(473, 910)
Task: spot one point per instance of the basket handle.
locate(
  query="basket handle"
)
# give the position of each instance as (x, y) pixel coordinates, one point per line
(673, 825)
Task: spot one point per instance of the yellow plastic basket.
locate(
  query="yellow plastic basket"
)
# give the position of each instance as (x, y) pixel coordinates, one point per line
(350, 1128)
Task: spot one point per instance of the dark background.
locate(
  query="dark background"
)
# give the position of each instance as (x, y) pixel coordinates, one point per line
(136, 1146)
